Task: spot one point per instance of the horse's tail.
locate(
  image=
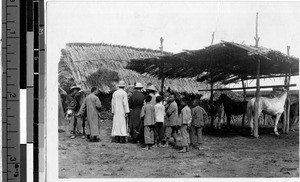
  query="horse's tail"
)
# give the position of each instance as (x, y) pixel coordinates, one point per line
(250, 110)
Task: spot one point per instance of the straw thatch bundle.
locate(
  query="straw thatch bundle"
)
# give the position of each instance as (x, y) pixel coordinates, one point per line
(80, 60)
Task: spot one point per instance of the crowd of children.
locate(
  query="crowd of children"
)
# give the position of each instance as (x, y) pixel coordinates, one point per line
(163, 122)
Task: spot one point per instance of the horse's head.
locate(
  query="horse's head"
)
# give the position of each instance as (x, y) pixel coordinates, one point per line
(221, 98)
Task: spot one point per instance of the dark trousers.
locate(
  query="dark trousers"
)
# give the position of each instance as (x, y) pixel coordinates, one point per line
(196, 135)
(120, 139)
(159, 134)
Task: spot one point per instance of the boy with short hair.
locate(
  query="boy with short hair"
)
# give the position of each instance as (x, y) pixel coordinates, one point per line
(148, 117)
(186, 119)
(199, 116)
(159, 117)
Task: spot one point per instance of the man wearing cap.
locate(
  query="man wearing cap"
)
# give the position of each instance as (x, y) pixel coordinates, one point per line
(120, 110)
(91, 105)
(136, 102)
(73, 107)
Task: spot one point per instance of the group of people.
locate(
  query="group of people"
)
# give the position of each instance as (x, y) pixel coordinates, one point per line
(146, 119)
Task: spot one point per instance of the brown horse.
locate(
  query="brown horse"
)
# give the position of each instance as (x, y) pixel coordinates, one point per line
(232, 107)
(272, 106)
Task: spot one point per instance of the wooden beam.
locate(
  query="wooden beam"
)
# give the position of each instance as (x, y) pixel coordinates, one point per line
(241, 88)
(266, 77)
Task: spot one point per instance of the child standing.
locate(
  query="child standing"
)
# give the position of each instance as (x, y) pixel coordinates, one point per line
(186, 119)
(199, 116)
(148, 116)
(159, 117)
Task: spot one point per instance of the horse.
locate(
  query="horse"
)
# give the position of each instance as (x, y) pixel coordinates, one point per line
(232, 107)
(213, 109)
(272, 106)
(72, 107)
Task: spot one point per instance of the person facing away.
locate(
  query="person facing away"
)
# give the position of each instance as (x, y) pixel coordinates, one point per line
(152, 90)
(185, 119)
(148, 117)
(91, 105)
(159, 117)
(120, 110)
(172, 119)
(199, 116)
(136, 102)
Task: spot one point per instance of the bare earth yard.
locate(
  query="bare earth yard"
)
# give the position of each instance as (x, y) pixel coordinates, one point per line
(226, 154)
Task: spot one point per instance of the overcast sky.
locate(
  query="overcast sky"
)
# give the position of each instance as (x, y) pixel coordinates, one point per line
(183, 25)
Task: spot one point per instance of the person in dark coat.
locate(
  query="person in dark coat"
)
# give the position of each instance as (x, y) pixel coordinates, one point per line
(172, 119)
(136, 102)
(73, 107)
(199, 116)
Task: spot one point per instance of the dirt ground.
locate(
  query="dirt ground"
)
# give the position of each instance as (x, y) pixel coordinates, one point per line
(226, 153)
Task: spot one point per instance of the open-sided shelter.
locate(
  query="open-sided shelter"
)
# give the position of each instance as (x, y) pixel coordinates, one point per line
(225, 62)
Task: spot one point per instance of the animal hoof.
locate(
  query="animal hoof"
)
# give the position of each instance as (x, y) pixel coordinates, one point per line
(276, 133)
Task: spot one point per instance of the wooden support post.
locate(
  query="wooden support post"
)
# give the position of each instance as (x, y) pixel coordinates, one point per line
(244, 95)
(288, 101)
(285, 111)
(256, 103)
(211, 101)
(211, 82)
(162, 69)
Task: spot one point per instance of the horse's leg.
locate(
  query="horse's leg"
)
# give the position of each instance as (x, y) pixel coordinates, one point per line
(83, 126)
(243, 120)
(228, 119)
(276, 122)
(212, 121)
(74, 124)
(250, 117)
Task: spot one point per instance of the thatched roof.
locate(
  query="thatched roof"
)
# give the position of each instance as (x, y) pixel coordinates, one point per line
(225, 62)
(83, 59)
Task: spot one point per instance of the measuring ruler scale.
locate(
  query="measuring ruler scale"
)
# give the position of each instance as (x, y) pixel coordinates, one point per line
(10, 91)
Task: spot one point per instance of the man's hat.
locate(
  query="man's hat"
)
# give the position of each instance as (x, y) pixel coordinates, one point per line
(121, 84)
(74, 87)
(138, 85)
(152, 87)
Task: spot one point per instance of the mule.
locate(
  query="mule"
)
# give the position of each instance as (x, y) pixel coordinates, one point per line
(232, 107)
(272, 106)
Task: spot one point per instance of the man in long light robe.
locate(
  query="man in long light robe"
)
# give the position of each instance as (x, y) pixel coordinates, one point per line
(120, 110)
(91, 105)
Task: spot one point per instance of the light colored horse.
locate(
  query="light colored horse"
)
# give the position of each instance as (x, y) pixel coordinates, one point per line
(272, 106)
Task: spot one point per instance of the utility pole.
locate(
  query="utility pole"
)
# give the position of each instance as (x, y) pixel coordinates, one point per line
(256, 103)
